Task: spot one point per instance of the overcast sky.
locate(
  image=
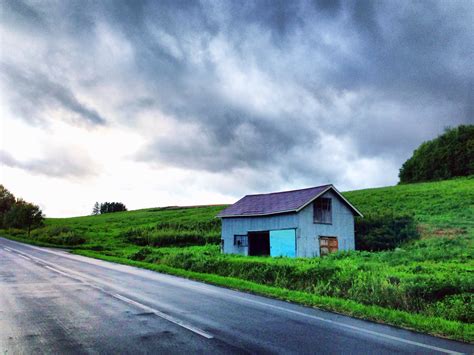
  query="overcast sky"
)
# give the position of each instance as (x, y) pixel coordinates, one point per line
(186, 102)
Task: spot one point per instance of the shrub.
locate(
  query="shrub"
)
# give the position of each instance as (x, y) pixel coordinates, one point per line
(142, 254)
(97, 247)
(57, 230)
(169, 237)
(384, 232)
(202, 226)
(456, 307)
(70, 239)
(58, 235)
(359, 276)
(16, 232)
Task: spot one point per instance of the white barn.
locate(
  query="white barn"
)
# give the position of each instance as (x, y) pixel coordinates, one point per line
(300, 223)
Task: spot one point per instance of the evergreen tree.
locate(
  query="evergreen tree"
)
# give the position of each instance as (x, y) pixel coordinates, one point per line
(96, 209)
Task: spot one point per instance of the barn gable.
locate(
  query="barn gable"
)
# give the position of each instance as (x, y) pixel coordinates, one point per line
(299, 223)
(280, 202)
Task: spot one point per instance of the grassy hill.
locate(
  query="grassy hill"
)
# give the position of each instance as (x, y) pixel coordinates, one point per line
(437, 205)
(427, 285)
(109, 230)
(441, 208)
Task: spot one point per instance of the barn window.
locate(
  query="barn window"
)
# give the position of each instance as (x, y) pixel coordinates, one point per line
(327, 245)
(241, 240)
(322, 211)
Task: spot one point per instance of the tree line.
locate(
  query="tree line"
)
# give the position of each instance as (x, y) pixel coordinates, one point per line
(17, 213)
(108, 207)
(447, 156)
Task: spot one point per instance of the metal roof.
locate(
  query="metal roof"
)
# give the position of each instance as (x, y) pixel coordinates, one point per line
(278, 202)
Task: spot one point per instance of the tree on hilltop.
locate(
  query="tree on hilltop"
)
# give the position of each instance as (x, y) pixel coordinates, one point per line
(109, 207)
(447, 156)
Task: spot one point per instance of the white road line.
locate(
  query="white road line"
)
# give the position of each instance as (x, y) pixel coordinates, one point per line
(79, 279)
(7, 250)
(37, 285)
(24, 257)
(391, 337)
(60, 272)
(164, 316)
(127, 300)
(336, 323)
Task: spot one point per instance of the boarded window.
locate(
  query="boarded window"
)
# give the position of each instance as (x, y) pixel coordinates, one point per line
(327, 245)
(322, 210)
(241, 240)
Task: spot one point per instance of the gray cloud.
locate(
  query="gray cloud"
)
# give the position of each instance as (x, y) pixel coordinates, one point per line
(33, 93)
(20, 14)
(59, 164)
(237, 143)
(262, 84)
(408, 88)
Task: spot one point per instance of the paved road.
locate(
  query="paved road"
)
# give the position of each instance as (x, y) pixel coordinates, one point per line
(55, 302)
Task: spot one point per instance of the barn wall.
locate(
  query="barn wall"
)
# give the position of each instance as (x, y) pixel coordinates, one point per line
(342, 227)
(242, 225)
(307, 232)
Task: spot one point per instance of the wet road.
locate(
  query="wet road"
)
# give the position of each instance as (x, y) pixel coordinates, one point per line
(55, 302)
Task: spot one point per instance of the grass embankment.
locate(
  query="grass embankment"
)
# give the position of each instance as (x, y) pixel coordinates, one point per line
(426, 285)
(443, 205)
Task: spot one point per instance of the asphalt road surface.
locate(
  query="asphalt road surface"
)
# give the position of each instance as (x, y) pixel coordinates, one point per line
(55, 302)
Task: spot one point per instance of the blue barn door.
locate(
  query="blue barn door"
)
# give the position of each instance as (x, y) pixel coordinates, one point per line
(283, 243)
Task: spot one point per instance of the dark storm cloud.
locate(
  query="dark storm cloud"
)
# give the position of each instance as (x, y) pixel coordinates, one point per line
(379, 76)
(236, 142)
(18, 13)
(33, 93)
(61, 164)
(36, 86)
(408, 62)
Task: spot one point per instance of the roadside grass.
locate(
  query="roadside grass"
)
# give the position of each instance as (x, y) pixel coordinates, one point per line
(425, 285)
(416, 279)
(431, 325)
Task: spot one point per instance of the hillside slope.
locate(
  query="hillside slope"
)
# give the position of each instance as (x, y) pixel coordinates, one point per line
(444, 204)
(443, 207)
(427, 285)
(441, 204)
(106, 230)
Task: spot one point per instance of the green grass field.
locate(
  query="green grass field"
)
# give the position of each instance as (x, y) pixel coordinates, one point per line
(426, 285)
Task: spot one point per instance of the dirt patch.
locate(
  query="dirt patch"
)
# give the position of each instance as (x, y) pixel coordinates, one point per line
(427, 232)
(444, 232)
